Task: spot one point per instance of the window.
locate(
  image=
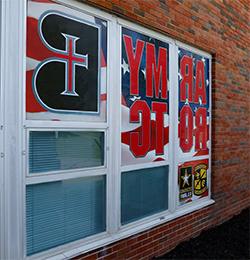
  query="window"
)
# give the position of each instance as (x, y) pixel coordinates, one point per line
(66, 166)
(117, 127)
(194, 125)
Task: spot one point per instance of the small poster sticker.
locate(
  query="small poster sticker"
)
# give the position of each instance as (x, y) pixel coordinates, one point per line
(185, 180)
(200, 179)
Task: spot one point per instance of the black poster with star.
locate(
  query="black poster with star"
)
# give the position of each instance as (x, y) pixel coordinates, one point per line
(185, 183)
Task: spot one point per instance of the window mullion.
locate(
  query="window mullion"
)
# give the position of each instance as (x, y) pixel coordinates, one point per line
(173, 126)
(114, 130)
(12, 63)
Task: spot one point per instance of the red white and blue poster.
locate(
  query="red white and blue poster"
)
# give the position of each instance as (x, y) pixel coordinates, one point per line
(193, 180)
(66, 64)
(194, 108)
(145, 98)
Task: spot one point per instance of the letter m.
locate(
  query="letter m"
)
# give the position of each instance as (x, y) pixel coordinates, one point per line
(157, 71)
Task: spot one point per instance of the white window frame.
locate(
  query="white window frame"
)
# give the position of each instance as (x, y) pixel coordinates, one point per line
(1, 146)
(46, 125)
(121, 23)
(12, 80)
(13, 19)
(180, 159)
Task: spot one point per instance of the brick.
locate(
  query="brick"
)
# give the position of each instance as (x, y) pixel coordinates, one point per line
(222, 29)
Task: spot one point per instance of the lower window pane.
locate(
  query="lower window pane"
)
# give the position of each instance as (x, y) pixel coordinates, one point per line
(63, 211)
(143, 192)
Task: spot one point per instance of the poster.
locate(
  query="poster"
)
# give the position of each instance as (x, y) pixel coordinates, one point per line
(193, 180)
(194, 107)
(185, 183)
(145, 98)
(65, 64)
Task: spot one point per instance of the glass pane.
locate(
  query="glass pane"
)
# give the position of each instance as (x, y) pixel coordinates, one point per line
(145, 99)
(58, 150)
(193, 104)
(64, 211)
(66, 64)
(143, 192)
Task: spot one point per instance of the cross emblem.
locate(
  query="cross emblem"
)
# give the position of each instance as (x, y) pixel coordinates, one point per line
(72, 60)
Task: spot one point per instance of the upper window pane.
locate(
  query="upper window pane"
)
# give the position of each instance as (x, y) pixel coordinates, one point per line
(145, 98)
(64, 150)
(193, 106)
(66, 68)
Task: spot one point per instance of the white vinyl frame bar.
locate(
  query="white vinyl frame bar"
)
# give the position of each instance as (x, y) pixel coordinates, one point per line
(1, 147)
(13, 49)
(12, 226)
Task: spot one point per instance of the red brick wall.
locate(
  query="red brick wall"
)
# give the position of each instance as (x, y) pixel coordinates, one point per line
(222, 29)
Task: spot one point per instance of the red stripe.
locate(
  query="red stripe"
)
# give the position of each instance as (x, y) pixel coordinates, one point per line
(103, 61)
(159, 159)
(103, 97)
(194, 163)
(31, 103)
(37, 51)
(35, 48)
(124, 102)
(201, 152)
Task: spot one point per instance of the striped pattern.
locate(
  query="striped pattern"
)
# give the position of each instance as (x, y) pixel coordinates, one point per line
(64, 211)
(59, 150)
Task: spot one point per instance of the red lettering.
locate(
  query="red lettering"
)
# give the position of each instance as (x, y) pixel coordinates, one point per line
(159, 109)
(134, 60)
(200, 90)
(186, 85)
(140, 141)
(201, 129)
(159, 71)
(186, 128)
